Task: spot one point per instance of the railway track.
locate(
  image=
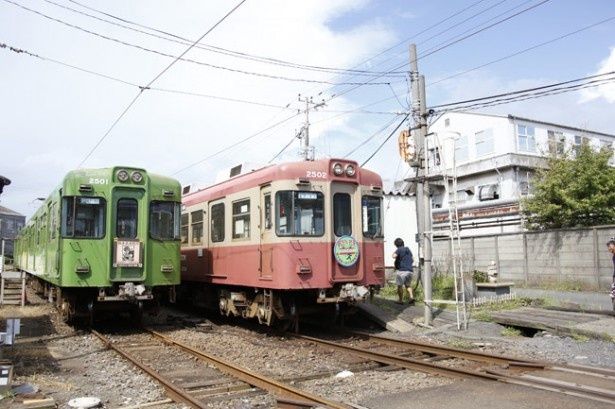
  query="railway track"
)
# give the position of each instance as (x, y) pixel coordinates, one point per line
(581, 381)
(230, 379)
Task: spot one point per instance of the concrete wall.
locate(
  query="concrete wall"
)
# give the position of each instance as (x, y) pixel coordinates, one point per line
(578, 255)
(399, 221)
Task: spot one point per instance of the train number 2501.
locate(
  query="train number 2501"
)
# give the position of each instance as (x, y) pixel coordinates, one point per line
(99, 181)
(315, 174)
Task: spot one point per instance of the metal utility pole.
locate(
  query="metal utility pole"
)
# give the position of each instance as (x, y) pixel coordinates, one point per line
(307, 151)
(419, 114)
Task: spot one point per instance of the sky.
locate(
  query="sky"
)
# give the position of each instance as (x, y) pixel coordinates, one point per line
(56, 109)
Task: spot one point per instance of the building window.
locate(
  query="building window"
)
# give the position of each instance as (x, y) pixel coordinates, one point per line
(461, 149)
(488, 192)
(241, 219)
(524, 188)
(447, 122)
(557, 143)
(434, 156)
(184, 228)
(484, 142)
(196, 220)
(526, 138)
(578, 141)
(217, 222)
(342, 222)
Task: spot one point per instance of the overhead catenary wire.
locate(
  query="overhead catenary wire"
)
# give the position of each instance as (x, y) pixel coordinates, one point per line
(369, 138)
(516, 53)
(236, 144)
(132, 84)
(172, 37)
(189, 60)
(134, 100)
(386, 140)
(445, 45)
(284, 148)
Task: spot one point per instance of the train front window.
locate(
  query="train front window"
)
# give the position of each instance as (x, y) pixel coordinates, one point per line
(371, 211)
(83, 217)
(126, 223)
(299, 213)
(164, 220)
(342, 220)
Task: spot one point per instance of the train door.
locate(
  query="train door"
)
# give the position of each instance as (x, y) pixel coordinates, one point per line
(266, 233)
(344, 225)
(217, 235)
(128, 232)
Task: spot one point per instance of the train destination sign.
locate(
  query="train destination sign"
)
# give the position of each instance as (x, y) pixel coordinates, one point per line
(346, 251)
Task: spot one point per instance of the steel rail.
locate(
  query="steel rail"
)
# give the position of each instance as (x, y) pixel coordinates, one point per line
(175, 392)
(442, 350)
(280, 389)
(582, 391)
(408, 363)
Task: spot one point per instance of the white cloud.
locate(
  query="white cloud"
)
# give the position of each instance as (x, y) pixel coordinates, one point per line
(606, 91)
(54, 115)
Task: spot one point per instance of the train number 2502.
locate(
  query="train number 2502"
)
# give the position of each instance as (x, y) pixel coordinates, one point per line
(315, 174)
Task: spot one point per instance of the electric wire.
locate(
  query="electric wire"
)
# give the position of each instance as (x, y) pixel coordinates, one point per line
(284, 148)
(134, 100)
(505, 94)
(386, 140)
(184, 41)
(516, 53)
(445, 45)
(532, 95)
(125, 82)
(369, 138)
(189, 60)
(235, 144)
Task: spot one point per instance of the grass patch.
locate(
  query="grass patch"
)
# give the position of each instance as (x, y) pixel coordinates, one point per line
(511, 332)
(483, 312)
(579, 337)
(459, 344)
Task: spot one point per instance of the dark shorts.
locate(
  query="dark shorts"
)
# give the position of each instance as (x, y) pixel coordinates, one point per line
(403, 277)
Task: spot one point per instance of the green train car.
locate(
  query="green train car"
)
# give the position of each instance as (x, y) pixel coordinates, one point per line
(105, 238)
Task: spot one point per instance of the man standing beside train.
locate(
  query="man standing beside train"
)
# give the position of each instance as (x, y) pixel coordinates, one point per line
(403, 270)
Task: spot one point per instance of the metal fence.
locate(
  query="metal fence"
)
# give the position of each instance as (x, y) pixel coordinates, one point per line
(534, 257)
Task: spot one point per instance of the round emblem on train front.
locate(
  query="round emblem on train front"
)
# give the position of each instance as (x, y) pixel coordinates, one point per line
(346, 251)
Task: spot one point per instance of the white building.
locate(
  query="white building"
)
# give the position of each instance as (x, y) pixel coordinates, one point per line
(494, 158)
(399, 221)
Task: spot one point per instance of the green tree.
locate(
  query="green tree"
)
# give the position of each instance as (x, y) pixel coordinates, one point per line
(573, 192)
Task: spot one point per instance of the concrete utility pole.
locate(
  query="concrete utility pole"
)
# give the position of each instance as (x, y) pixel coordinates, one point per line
(307, 151)
(419, 114)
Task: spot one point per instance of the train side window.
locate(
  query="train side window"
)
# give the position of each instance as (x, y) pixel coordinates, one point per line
(241, 219)
(267, 211)
(217, 222)
(342, 218)
(53, 220)
(196, 218)
(83, 217)
(126, 219)
(184, 228)
(371, 212)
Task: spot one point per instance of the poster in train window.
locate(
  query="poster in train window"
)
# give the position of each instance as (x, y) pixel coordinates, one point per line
(127, 253)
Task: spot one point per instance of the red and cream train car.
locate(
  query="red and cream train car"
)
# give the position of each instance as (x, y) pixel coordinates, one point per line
(270, 243)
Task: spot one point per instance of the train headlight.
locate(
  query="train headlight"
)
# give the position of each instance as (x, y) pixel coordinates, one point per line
(350, 170)
(122, 175)
(136, 177)
(338, 170)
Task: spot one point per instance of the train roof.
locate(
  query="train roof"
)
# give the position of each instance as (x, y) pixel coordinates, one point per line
(318, 170)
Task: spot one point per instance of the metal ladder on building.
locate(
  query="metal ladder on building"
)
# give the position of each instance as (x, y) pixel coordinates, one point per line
(456, 254)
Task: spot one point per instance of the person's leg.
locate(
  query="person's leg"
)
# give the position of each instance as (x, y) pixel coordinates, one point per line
(400, 293)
